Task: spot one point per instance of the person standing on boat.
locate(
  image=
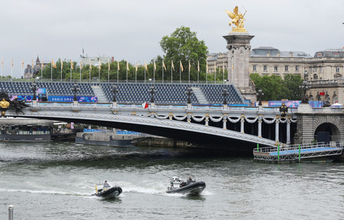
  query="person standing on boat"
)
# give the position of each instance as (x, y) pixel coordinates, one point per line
(106, 185)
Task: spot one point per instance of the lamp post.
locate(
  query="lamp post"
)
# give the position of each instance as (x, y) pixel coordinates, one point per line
(225, 94)
(189, 92)
(304, 87)
(75, 89)
(34, 89)
(114, 91)
(152, 91)
(260, 93)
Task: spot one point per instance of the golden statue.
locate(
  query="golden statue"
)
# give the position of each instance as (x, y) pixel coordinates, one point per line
(237, 19)
(4, 103)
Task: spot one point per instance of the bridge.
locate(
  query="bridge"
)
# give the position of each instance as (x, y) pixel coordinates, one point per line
(231, 128)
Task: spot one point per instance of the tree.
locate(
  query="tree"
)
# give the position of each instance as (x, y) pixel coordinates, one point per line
(183, 45)
(276, 88)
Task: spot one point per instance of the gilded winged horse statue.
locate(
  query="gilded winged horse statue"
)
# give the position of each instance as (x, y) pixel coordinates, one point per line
(237, 19)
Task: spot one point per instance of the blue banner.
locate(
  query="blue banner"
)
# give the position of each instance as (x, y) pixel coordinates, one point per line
(71, 98)
(93, 130)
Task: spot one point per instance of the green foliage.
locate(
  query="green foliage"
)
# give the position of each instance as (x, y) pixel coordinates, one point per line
(183, 45)
(276, 88)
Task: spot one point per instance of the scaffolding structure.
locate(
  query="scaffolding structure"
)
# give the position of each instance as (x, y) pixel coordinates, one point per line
(297, 153)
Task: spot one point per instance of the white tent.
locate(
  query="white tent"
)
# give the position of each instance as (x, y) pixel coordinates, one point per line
(336, 105)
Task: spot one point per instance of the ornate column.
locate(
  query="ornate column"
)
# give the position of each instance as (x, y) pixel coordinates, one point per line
(207, 119)
(260, 126)
(288, 130)
(224, 122)
(277, 129)
(242, 124)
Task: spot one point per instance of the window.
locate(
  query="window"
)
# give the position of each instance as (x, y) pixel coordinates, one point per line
(276, 68)
(297, 68)
(286, 68)
(265, 68)
(254, 67)
(337, 69)
(315, 76)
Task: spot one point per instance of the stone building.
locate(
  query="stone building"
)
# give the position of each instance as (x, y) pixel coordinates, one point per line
(324, 65)
(32, 70)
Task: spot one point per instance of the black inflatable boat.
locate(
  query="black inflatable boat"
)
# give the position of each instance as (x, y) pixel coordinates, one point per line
(190, 186)
(111, 192)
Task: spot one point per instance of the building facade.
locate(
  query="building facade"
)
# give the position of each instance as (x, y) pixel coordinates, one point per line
(324, 65)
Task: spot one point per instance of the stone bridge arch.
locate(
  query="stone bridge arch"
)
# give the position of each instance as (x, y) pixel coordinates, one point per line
(324, 124)
(327, 128)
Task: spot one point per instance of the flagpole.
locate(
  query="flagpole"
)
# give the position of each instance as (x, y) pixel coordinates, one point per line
(223, 72)
(162, 74)
(117, 70)
(80, 69)
(154, 72)
(61, 69)
(215, 72)
(71, 69)
(206, 72)
(12, 69)
(126, 73)
(145, 72)
(197, 71)
(42, 66)
(108, 71)
(51, 71)
(189, 71)
(90, 70)
(172, 71)
(180, 71)
(136, 73)
(100, 66)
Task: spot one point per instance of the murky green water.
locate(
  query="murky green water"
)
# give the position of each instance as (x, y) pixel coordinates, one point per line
(55, 181)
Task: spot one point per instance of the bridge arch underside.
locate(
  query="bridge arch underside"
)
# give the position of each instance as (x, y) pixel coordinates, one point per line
(202, 136)
(327, 132)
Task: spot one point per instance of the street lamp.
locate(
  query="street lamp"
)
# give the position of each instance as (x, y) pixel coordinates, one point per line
(114, 90)
(189, 92)
(304, 87)
(152, 91)
(260, 93)
(34, 89)
(225, 94)
(75, 89)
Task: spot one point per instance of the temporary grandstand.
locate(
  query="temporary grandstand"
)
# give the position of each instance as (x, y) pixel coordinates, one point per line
(165, 93)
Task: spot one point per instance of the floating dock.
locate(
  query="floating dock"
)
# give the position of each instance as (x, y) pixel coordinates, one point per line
(298, 153)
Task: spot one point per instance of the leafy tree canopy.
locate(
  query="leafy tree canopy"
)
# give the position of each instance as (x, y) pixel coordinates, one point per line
(276, 88)
(183, 45)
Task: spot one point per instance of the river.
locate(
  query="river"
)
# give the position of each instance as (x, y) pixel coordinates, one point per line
(55, 181)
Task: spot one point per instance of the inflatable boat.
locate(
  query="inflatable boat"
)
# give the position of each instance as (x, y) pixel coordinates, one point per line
(190, 186)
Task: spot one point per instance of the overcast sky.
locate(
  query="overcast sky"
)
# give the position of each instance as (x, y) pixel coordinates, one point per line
(132, 29)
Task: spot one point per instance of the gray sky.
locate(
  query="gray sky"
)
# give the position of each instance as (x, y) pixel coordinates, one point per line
(132, 29)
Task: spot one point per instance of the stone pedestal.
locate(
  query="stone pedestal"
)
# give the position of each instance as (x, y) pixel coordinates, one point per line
(239, 47)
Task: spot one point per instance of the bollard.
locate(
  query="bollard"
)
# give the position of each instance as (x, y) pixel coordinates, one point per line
(257, 147)
(10, 212)
(278, 152)
(299, 153)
